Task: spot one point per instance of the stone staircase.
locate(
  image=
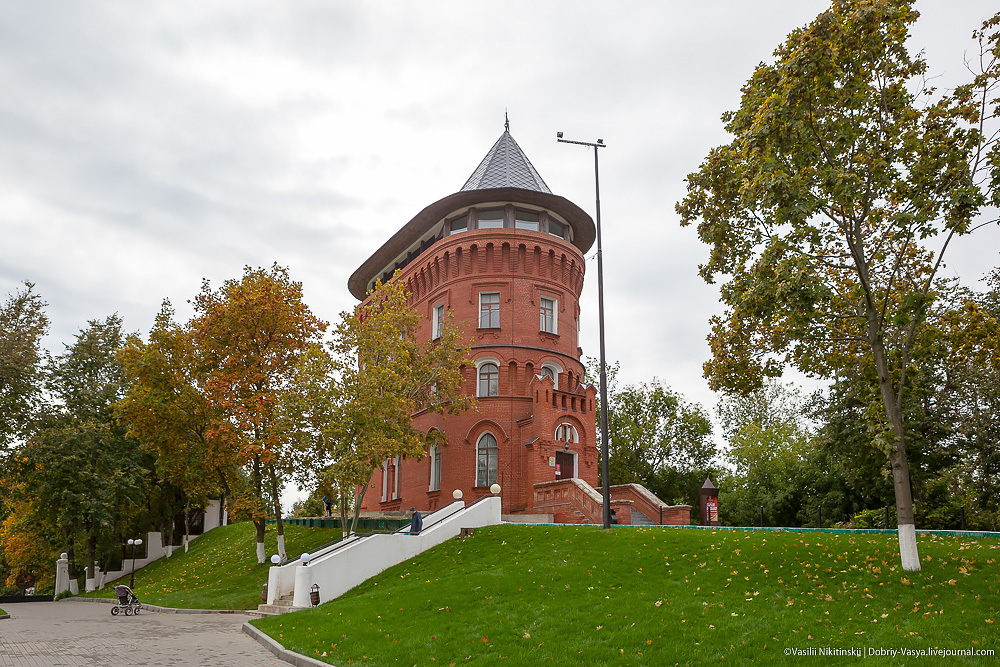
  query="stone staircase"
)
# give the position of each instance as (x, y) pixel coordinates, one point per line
(640, 519)
(282, 605)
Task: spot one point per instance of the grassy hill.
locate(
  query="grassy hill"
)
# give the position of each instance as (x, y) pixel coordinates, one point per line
(526, 595)
(220, 571)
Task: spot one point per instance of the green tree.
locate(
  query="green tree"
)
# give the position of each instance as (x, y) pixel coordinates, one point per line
(657, 439)
(22, 325)
(821, 211)
(353, 405)
(166, 410)
(90, 477)
(251, 335)
(767, 441)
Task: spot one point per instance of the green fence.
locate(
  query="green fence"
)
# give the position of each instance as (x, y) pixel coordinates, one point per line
(365, 524)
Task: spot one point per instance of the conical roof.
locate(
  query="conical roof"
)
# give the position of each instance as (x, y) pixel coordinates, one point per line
(504, 175)
(505, 166)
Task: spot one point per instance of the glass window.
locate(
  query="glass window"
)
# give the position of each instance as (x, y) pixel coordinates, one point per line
(435, 469)
(547, 318)
(526, 220)
(438, 323)
(567, 433)
(557, 228)
(458, 225)
(549, 372)
(489, 380)
(490, 220)
(486, 460)
(489, 310)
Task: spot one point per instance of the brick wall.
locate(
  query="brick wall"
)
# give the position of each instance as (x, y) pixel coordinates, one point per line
(522, 267)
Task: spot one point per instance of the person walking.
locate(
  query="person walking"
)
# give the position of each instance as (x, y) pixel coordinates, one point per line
(416, 521)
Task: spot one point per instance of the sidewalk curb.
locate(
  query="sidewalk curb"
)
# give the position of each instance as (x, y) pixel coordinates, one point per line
(280, 651)
(171, 610)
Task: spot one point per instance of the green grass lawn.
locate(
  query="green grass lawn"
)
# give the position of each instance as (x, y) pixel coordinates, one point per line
(220, 571)
(527, 595)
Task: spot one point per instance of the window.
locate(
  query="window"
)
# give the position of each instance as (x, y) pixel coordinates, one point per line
(489, 380)
(557, 228)
(435, 468)
(489, 310)
(526, 220)
(567, 433)
(486, 460)
(458, 224)
(438, 322)
(547, 318)
(490, 220)
(395, 483)
(551, 370)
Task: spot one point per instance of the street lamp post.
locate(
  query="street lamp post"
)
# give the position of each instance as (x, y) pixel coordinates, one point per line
(605, 472)
(133, 543)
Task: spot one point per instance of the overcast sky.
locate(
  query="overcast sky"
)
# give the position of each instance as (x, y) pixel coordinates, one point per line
(146, 146)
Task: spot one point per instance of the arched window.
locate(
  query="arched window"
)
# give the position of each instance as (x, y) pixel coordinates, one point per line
(486, 460)
(489, 380)
(435, 457)
(552, 371)
(567, 433)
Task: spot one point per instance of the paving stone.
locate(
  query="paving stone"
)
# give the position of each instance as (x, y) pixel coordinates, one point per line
(71, 633)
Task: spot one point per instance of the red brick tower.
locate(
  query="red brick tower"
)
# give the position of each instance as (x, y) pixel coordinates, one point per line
(505, 256)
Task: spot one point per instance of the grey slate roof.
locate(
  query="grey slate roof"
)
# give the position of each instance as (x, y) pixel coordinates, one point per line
(505, 166)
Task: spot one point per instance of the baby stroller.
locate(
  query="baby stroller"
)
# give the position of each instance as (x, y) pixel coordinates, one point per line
(128, 603)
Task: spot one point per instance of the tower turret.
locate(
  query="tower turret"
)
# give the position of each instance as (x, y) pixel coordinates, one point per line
(505, 256)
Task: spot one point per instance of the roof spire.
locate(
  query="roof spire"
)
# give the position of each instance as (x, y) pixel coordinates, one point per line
(506, 166)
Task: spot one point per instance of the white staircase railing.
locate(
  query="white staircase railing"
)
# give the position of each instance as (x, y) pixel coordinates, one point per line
(342, 566)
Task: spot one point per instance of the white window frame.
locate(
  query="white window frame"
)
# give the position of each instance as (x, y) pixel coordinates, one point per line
(395, 489)
(561, 224)
(479, 367)
(385, 480)
(492, 319)
(435, 478)
(481, 216)
(528, 225)
(556, 371)
(450, 225)
(437, 321)
(484, 460)
(565, 429)
(554, 315)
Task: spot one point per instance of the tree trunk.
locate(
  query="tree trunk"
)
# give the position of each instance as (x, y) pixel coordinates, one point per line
(187, 523)
(91, 553)
(357, 507)
(260, 520)
(261, 553)
(70, 552)
(343, 516)
(908, 554)
(276, 501)
(170, 529)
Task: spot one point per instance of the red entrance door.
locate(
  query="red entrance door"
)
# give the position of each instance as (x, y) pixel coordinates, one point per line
(564, 465)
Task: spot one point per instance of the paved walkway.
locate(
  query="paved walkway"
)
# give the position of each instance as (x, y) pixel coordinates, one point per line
(77, 634)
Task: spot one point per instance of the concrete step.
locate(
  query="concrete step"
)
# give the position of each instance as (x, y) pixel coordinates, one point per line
(275, 609)
(640, 519)
(282, 605)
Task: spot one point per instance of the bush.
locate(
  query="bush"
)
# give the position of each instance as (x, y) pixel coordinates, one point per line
(874, 518)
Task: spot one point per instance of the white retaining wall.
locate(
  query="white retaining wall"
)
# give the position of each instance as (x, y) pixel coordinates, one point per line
(341, 569)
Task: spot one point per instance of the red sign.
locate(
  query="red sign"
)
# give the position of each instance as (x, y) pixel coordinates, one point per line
(712, 503)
